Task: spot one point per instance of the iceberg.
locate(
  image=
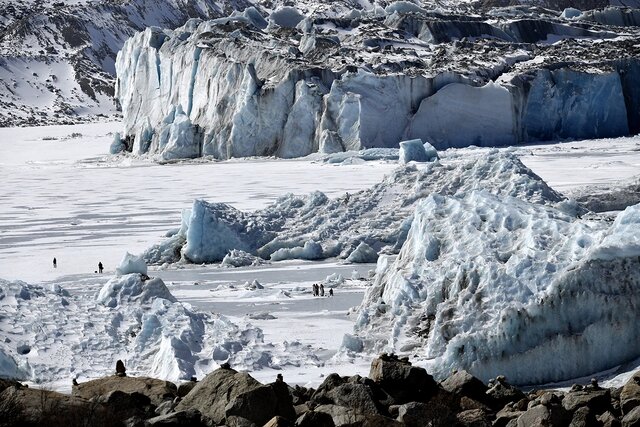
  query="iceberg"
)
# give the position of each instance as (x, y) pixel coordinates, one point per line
(498, 285)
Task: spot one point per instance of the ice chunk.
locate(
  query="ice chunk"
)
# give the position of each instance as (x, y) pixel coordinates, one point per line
(287, 17)
(570, 13)
(131, 264)
(131, 287)
(9, 368)
(238, 258)
(311, 250)
(403, 7)
(432, 153)
(363, 254)
(214, 229)
(412, 151)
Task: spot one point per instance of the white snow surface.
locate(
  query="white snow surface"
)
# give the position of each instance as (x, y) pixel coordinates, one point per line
(506, 286)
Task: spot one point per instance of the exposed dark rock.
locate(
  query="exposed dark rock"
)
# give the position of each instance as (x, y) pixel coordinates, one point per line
(597, 400)
(343, 416)
(608, 420)
(435, 413)
(185, 388)
(405, 383)
(502, 393)
(463, 383)
(350, 393)
(632, 419)
(278, 421)
(156, 390)
(544, 416)
(188, 418)
(227, 396)
(630, 394)
(126, 405)
(315, 419)
(506, 415)
(583, 417)
(473, 418)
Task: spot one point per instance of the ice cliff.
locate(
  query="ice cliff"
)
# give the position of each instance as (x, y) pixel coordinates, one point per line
(254, 85)
(505, 286)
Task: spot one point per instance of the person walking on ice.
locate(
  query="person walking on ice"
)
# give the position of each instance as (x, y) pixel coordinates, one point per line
(321, 290)
(55, 263)
(330, 292)
(100, 268)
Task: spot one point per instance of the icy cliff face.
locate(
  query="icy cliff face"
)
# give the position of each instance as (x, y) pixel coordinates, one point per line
(503, 286)
(316, 227)
(291, 83)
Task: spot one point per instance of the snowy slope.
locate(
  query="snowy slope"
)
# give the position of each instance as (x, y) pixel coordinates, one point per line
(57, 58)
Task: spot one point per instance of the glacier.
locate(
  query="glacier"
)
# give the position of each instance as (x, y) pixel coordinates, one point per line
(234, 87)
(498, 285)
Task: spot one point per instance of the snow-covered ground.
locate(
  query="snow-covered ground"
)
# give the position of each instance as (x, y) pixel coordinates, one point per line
(62, 196)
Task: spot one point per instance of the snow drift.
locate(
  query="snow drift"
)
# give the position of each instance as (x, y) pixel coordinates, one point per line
(499, 285)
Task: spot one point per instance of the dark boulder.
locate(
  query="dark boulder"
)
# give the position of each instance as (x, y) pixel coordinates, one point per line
(234, 398)
(473, 418)
(598, 401)
(630, 394)
(315, 419)
(463, 383)
(156, 390)
(544, 416)
(501, 393)
(188, 418)
(583, 417)
(632, 419)
(403, 382)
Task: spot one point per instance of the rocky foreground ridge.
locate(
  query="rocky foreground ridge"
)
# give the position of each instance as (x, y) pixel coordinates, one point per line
(293, 83)
(395, 394)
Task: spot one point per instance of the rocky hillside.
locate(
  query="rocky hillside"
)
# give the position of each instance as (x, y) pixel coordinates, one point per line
(395, 394)
(57, 58)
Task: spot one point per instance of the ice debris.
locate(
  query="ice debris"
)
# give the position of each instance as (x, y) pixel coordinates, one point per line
(316, 227)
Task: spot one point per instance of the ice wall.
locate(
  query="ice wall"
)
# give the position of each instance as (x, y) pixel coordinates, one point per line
(503, 286)
(227, 88)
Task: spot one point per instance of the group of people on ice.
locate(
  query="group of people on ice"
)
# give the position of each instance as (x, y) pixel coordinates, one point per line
(99, 270)
(318, 290)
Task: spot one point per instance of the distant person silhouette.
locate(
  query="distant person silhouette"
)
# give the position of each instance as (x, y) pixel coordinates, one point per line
(100, 268)
(321, 290)
(55, 263)
(330, 292)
